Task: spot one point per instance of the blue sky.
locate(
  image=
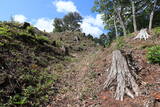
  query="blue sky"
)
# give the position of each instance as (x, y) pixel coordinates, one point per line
(41, 13)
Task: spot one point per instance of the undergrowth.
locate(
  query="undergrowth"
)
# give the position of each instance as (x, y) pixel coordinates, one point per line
(153, 54)
(24, 55)
(120, 43)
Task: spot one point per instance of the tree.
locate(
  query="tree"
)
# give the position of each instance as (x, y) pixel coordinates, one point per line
(152, 14)
(118, 9)
(112, 11)
(124, 16)
(70, 22)
(58, 25)
(134, 16)
(115, 26)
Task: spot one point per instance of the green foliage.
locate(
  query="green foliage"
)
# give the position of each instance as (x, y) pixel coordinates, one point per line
(36, 91)
(42, 38)
(107, 44)
(59, 43)
(130, 34)
(58, 25)
(25, 82)
(69, 22)
(1, 44)
(4, 32)
(111, 9)
(69, 59)
(153, 54)
(120, 43)
(30, 29)
(17, 100)
(156, 31)
(72, 20)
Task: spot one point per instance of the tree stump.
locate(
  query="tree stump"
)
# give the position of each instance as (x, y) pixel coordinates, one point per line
(142, 34)
(121, 77)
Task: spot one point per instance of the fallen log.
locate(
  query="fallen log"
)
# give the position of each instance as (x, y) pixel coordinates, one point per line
(121, 77)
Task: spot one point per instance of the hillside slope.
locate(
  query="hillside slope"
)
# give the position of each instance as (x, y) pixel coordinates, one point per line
(67, 69)
(26, 58)
(83, 85)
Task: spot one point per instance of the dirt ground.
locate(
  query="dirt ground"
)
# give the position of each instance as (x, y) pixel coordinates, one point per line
(83, 85)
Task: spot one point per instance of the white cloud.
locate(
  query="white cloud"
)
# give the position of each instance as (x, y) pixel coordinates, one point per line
(44, 24)
(65, 6)
(89, 29)
(93, 26)
(95, 21)
(19, 18)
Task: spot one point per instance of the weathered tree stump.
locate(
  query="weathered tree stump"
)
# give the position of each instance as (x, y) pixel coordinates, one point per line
(121, 77)
(142, 34)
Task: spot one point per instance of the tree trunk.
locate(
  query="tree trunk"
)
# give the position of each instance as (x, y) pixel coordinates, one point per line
(151, 15)
(142, 34)
(115, 26)
(134, 16)
(122, 23)
(117, 11)
(121, 77)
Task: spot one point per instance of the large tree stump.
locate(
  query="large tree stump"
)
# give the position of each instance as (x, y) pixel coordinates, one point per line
(142, 34)
(121, 77)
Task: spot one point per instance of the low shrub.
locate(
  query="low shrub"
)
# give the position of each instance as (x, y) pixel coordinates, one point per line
(59, 43)
(153, 54)
(35, 89)
(120, 43)
(4, 32)
(42, 38)
(156, 31)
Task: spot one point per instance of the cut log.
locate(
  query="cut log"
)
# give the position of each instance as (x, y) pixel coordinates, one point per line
(121, 77)
(142, 34)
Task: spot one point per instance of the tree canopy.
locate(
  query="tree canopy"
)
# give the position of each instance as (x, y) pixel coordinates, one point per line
(125, 16)
(70, 22)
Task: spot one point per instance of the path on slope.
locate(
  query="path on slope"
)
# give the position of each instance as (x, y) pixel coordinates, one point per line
(79, 85)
